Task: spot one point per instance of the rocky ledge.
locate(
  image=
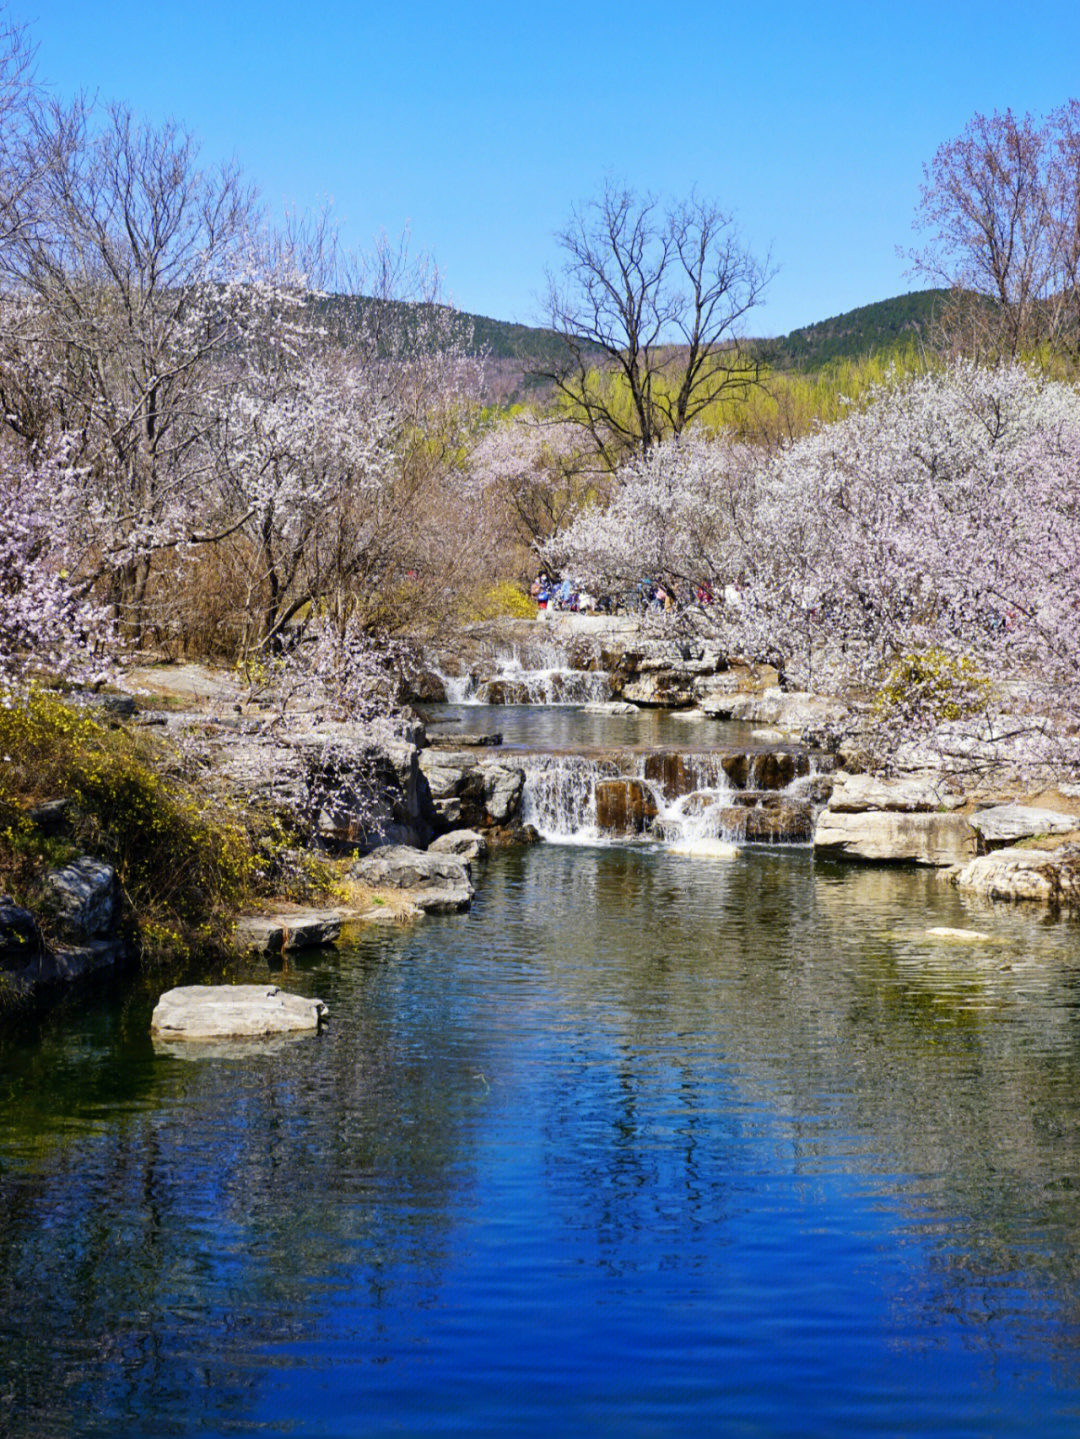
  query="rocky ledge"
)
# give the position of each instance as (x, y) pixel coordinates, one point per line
(1051, 876)
(84, 923)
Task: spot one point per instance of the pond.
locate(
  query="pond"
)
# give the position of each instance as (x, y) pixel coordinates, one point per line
(643, 1145)
(574, 729)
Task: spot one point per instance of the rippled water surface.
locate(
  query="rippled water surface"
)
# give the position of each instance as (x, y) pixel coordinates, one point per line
(644, 1145)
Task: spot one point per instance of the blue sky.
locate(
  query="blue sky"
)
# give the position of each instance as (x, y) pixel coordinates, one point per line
(479, 124)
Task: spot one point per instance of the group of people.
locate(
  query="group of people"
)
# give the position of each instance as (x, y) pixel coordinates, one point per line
(550, 595)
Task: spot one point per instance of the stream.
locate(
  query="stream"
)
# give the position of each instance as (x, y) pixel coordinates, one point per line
(647, 1143)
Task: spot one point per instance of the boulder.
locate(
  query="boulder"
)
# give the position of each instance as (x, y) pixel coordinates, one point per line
(436, 882)
(662, 689)
(230, 1011)
(1004, 824)
(467, 844)
(84, 899)
(918, 838)
(503, 788)
(20, 937)
(856, 793)
(470, 791)
(787, 822)
(624, 806)
(1049, 875)
(283, 933)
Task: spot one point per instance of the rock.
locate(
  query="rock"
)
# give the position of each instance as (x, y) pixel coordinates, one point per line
(20, 937)
(50, 816)
(84, 899)
(1004, 824)
(467, 844)
(610, 707)
(768, 736)
(465, 739)
(471, 792)
(502, 791)
(230, 1011)
(119, 706)
(436, 882)
(817, 788)
(623, 806)
(283, 933)
(960, 936)
(427, 687)
(788, 822)
(790, 710)
(705, 849)
(855, 793)
(675, 774)
(919, 838)
(775, 769)
(663, 689)
(1049, 875)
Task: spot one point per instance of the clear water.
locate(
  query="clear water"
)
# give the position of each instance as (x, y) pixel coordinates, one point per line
(574, 729)
(643, 1145)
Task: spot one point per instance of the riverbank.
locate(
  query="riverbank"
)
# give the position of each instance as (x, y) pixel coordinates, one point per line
(208, 804)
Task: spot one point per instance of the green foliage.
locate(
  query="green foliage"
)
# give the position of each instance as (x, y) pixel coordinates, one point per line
(880, 329)
(929, 686)
(184, 865)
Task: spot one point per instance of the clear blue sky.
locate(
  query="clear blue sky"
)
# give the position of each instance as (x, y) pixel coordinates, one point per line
(481, 123)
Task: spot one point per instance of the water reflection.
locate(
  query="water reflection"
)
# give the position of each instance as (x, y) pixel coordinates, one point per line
(642, 1144)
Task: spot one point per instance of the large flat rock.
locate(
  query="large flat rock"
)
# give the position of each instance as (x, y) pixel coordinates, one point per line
(234, 1011)
(437, 883)
(855, 793)
(280, 933)
(1006, 823)
(932, 839)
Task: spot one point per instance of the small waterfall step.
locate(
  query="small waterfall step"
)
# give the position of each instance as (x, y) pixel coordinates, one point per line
(675, 797)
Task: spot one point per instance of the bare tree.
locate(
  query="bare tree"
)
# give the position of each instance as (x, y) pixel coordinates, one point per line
(649, 304)
(1001, 203)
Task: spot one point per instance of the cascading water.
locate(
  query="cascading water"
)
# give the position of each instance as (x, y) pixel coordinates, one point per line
(540, 674)
(681, 800)
(559, 799)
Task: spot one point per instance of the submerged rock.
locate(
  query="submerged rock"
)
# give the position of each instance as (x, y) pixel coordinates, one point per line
(231, 1011)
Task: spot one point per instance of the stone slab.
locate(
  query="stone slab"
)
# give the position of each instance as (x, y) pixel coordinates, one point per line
(234, 1011)
(279, 933)
(938, 840)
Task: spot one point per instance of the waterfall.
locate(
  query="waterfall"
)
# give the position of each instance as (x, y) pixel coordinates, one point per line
(460, 689)
(559, 799)
(534, 674)
(683, 800)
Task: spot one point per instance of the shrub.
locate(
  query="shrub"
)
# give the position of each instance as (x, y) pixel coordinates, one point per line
(184, 865)
(928, 686)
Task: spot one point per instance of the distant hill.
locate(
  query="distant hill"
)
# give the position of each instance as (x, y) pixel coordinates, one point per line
(515, 351)
(870, 329)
